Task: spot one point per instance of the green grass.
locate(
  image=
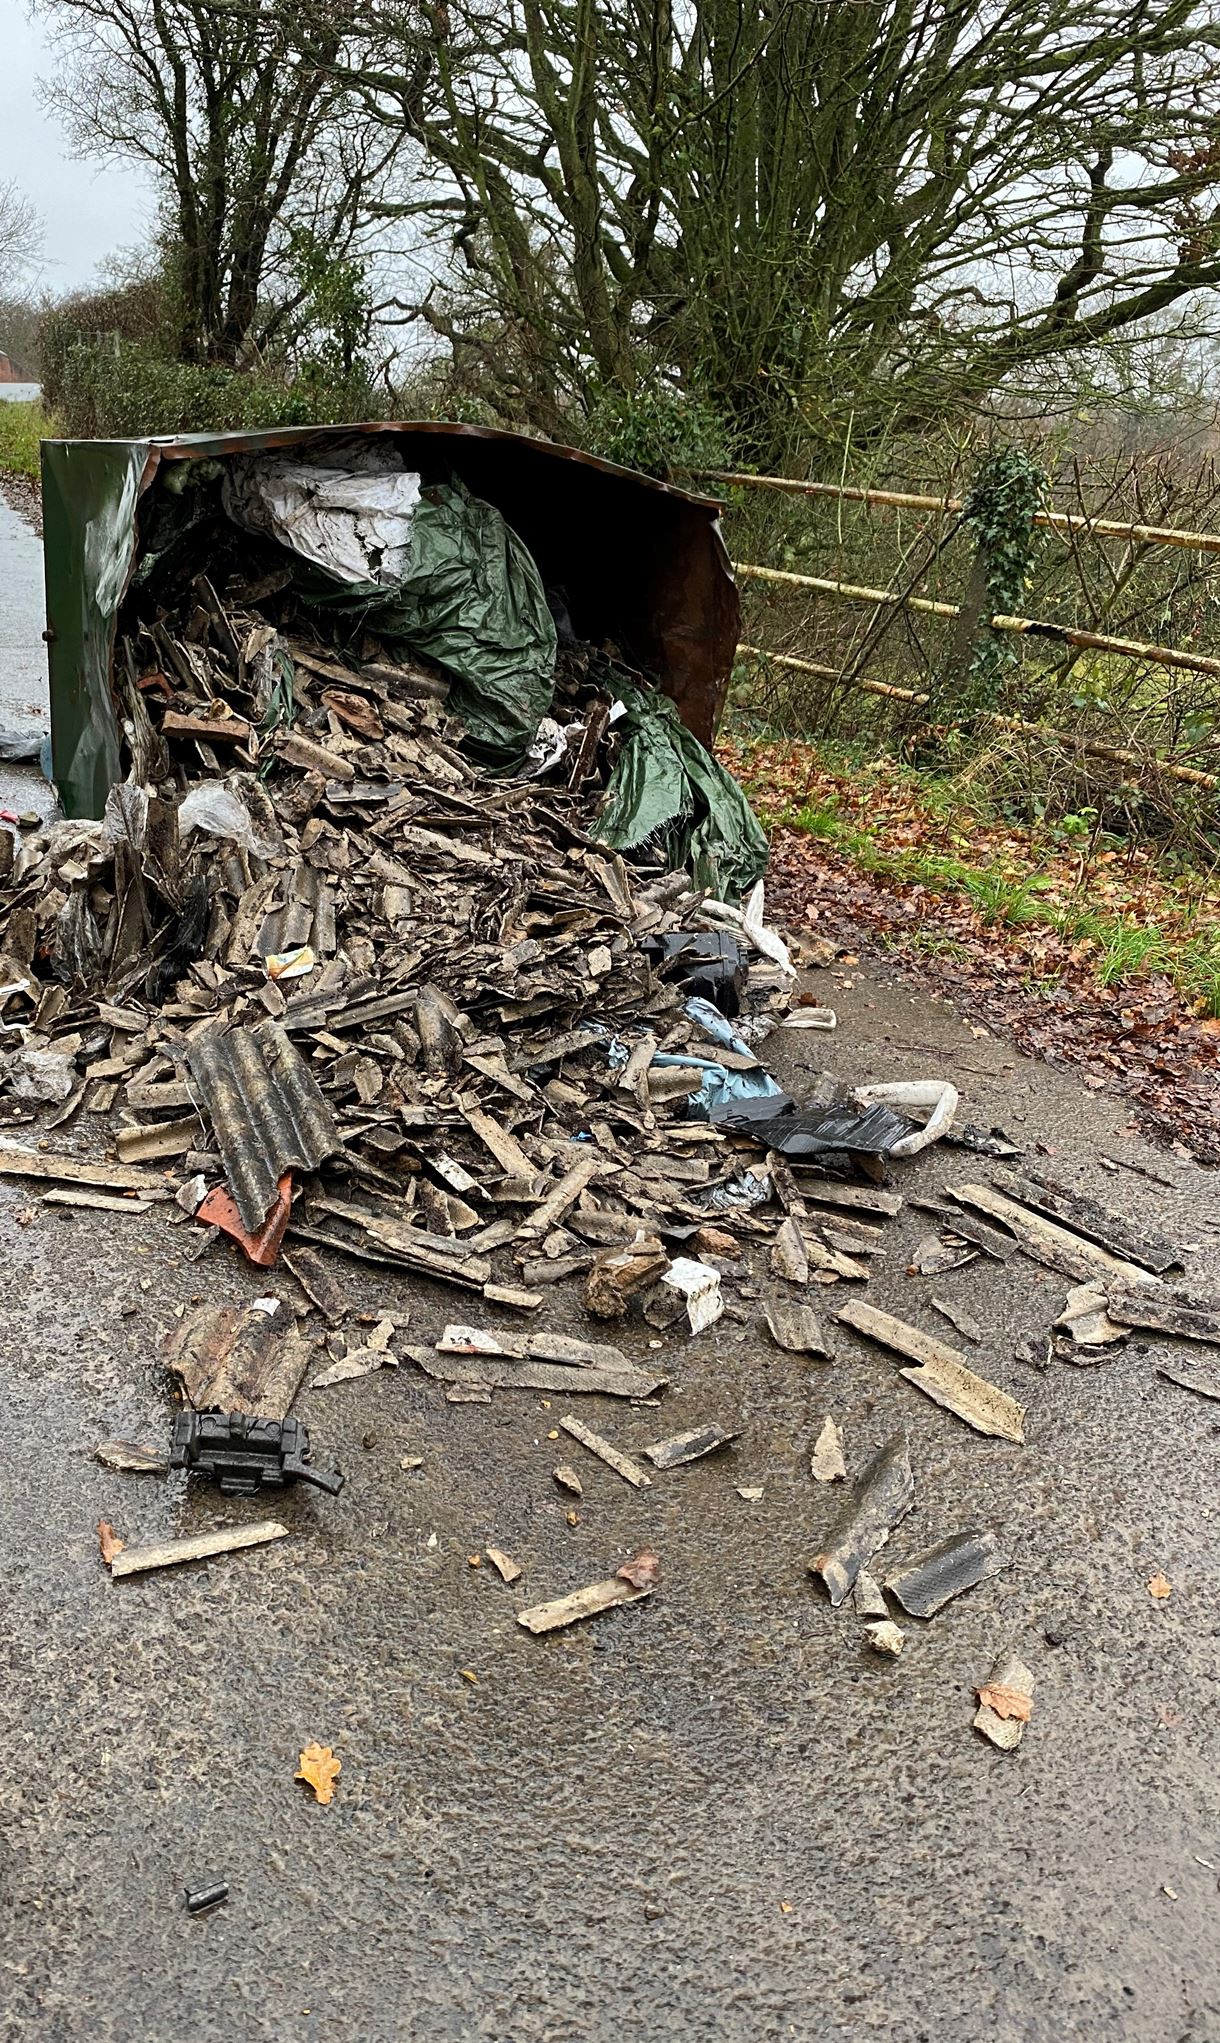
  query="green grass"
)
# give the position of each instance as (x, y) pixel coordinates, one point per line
(1124, 949)
(22, 426)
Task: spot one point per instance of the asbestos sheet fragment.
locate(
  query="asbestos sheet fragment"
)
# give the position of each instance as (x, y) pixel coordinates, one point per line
(947, 1570)
(357, 1362)
(634, 1580)
(504, 1565)
(692, 1446)
(1087, 1217)
(943, 1374)
(1154, 1307)
(699, 1284)
(229, 1539)
(507, 1372)
(266, 1111)
(789, 1256)
(868, 1598)
(1005, 1703)
(827, 1464)
(879, 1502)
(619, 1274)
(622, 1464)
(797, 1329)
(957, 1316)
(1044, 1241)
(1085, 1319)
(239, 1358)
(319, 1283)
(131, 1456)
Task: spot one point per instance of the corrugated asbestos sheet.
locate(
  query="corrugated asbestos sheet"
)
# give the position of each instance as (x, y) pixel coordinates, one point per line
(265, 1108)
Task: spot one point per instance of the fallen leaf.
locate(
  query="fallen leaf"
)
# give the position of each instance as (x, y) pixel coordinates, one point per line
(643, 1570)
(108, 1540)
(1160, 1587)
(468, 1674)
(319, 1768)
(1006, 1702)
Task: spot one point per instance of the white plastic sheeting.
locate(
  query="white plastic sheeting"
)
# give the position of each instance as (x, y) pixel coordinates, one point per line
(353, 520)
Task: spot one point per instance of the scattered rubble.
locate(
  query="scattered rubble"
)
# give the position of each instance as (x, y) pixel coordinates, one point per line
(1005, 1703)
(886, 1638)
(226, 1540)
(880, 1500)
(957, 1564)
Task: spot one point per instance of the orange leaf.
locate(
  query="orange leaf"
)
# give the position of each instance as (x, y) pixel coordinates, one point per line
(1160, 1587)
(108, 1540)
(643, 1570)
(1006, 1702)
(319, 1769)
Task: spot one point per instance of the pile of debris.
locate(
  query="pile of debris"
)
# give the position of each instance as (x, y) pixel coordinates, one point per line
(384, 954)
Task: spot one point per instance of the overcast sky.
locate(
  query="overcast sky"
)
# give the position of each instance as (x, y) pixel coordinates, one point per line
(87, 212)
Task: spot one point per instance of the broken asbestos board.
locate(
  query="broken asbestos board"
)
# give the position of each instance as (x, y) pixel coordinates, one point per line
(622, 1464)
(879, 1502)
(1143, 1305)
(868, 1599)
(1204, 1381)
(797, 1329)
(319, 1283)
(1010, 1687)
(65, 1170)
(1087, 1217)
(504, 1372)
(684, 1447)
(561, 1199)
(239, 1358)
(942, 1373)
(1044, 1241)
(948, 1570)
(858, 1198)
(166, 1138)
(506, 1150)
(826, 1463)
(230, 1539)
(97, 1202)
(550, 1617)
(1085, 1318)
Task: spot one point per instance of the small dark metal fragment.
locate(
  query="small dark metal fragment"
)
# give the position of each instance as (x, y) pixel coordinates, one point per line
(209, 1894)
(957, 1564)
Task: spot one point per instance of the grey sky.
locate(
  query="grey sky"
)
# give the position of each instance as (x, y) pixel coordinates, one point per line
(88, 212)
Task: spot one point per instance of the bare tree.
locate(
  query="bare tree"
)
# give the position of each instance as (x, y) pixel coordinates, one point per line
(260, 145)
(874, 209)
(20, 237)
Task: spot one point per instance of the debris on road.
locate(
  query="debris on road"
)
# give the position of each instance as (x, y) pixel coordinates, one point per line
(244, 1456)
(200, 1547)
(881, 1499)
(598, 1596)
(1085, 1320)
(231, 1358)
(207, 1895)
(1160, 1588)
(699, 1285)
(130, 1456)
(109, 1543)
(886, 1638)
(319, 1768)
(1163, 1312)
(947, 1570)
(684, 1447)
(1045, 1241)
(568, 1479)
(942, 1373)
(964, 1322)
(1203, 1379)
(1087, 1217)
(505, 1567)
(622, 1464)
(868, 1598)
(797, 1329)
(827, 1464)
(1005, 1703)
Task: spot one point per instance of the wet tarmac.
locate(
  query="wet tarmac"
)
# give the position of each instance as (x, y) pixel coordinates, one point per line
(709, 1816)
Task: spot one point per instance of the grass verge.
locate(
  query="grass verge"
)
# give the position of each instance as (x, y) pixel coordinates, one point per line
(22, 426)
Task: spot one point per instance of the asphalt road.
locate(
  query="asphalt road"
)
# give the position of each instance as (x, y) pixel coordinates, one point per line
(713, 1815)
(23, 660)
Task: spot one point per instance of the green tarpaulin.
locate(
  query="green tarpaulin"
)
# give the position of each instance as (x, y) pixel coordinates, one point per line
(667, 788)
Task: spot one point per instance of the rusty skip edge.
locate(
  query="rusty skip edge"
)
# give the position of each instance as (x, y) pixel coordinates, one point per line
(267, 1113)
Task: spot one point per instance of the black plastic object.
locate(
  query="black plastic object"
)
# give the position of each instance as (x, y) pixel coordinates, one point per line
(819, 1131)
(246, 1455)
(209, 1894)
(708, 964)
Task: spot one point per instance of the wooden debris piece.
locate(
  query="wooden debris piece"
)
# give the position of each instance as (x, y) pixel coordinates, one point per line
(692, 1446)
(1005, 1703)
(827, 1464)
(948, 1570)
(239, 1358)
(506, 1568)
(1163, 1312)
(599, 1596)
(879, 1502)
(797, 1329)
(229, 1539)
(622, 1464)
(943, 1374)
(1044, 1241)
